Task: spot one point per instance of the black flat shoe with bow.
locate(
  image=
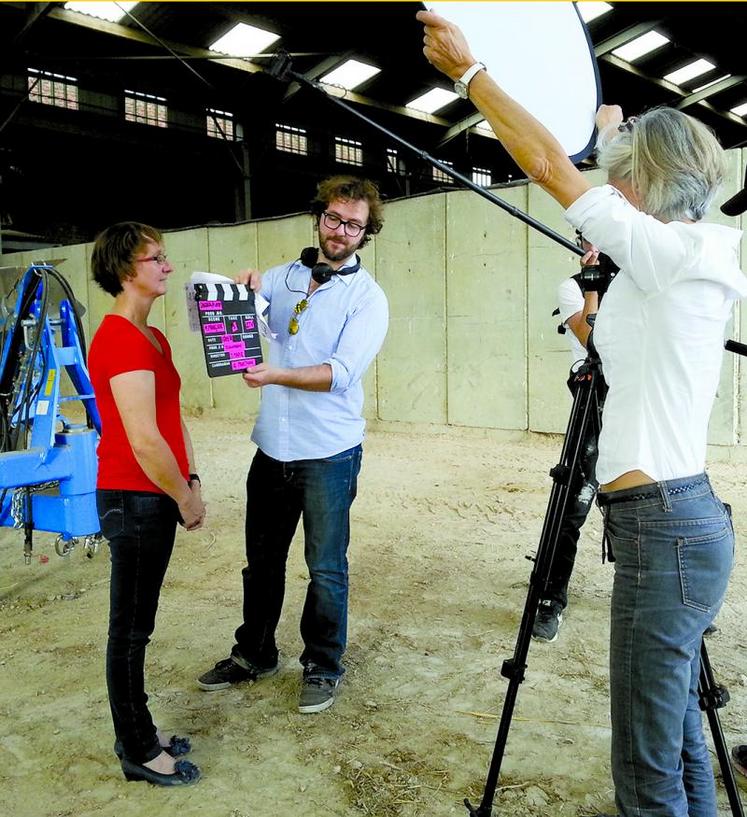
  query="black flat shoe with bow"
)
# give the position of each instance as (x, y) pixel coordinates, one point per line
(185, 773)
(177, 747)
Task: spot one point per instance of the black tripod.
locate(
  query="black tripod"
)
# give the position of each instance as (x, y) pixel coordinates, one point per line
(589, 392)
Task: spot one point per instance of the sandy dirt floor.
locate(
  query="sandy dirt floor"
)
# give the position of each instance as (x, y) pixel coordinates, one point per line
(441, 528)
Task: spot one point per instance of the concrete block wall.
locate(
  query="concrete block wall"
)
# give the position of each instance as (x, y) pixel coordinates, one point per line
(472, 340)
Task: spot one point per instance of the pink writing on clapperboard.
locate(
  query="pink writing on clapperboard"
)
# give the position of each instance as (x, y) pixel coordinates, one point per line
(248, 324)
(214, 329)
(236, 365)
(210, 306)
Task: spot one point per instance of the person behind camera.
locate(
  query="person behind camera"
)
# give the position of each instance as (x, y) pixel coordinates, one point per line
(574, 307)
(331, 318)
(660, 336)
(144, 485)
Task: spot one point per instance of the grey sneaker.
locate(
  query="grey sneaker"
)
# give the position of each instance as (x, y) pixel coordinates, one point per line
(228, 672)
(317, 694)
(548, 621)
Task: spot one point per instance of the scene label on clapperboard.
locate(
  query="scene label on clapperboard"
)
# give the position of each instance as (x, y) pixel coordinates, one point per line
(230, 319)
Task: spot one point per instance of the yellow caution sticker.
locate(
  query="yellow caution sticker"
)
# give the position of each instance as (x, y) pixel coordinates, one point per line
(50, 382)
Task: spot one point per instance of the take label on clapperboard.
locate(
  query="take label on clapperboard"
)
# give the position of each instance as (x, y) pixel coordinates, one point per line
(228, 327)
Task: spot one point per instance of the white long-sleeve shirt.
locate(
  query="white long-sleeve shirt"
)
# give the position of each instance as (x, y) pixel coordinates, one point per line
(659, 333)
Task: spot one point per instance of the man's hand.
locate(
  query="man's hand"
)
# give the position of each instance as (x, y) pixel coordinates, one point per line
(260, 375)
(251, 277)
(444, 45)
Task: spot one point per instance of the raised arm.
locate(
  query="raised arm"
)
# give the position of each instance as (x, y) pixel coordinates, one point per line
(537, 152)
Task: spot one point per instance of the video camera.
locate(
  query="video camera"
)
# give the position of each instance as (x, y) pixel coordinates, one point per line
(595, 277)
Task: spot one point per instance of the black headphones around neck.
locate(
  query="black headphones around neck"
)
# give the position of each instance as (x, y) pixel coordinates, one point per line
(321, 273)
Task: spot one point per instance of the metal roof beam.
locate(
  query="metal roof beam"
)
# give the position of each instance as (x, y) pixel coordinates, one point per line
(351, 96)
(672, 88)
(625, 36)
(465, 124)
(716, 88)
(324, 67)
(134, 35)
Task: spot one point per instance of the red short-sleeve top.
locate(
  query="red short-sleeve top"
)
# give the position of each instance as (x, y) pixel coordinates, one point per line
(117, 347)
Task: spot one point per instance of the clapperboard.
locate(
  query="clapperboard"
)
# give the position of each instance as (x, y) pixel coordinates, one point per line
(228, 327)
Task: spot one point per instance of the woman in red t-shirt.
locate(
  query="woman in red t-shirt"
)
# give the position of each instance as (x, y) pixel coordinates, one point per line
(145, 485)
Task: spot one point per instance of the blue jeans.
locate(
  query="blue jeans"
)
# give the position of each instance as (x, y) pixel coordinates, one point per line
(140, 527)
(277, 495)
(673, 545)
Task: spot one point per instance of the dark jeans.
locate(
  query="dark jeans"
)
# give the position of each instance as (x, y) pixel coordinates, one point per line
(278, 494)
(583, 489)
(140, 528)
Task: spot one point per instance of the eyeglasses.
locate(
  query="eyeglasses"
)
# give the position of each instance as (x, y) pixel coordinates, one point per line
(352, 228)
(160, 259)
(293, 324)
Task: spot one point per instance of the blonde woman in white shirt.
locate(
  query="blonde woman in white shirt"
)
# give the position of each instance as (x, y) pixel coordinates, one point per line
(659, 333)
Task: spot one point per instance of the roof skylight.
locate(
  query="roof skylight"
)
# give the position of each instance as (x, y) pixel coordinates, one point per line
(740, 110)
(244, 40)
(113, 12)
(432, 100)
(640, 46)
(590, 11)
(689, 71)
(350, 74)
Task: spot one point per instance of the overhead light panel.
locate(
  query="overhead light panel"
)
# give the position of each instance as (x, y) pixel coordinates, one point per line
(113, 12)
(350, 74)
(432, 100)
(590, 11)
(689, 71)
(712, 82)
(740, 110)
(244, 40)
(484, 126)
(640, 46)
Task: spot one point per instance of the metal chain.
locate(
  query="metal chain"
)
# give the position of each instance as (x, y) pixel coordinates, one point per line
(18, 500)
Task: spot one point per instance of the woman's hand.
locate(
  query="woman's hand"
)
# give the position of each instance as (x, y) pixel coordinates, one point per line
(192, 508)
(444, 45)
(251, 277)
(591, 254)
(608, 116)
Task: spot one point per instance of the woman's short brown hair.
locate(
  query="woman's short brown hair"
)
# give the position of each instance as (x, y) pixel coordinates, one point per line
(351, 188)
(114, 251)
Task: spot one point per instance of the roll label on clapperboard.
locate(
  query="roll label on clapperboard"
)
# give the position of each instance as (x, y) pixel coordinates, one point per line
(228, 327)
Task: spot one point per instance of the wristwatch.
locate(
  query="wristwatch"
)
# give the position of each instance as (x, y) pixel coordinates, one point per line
(461, 86)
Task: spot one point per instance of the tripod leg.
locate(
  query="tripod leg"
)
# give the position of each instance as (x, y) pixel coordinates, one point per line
(585, 411)
(712, 698)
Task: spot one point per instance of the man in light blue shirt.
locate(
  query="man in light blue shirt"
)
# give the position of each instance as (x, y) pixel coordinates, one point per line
(330, 318)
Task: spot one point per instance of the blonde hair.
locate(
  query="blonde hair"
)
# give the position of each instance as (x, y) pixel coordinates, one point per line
(673, 162)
